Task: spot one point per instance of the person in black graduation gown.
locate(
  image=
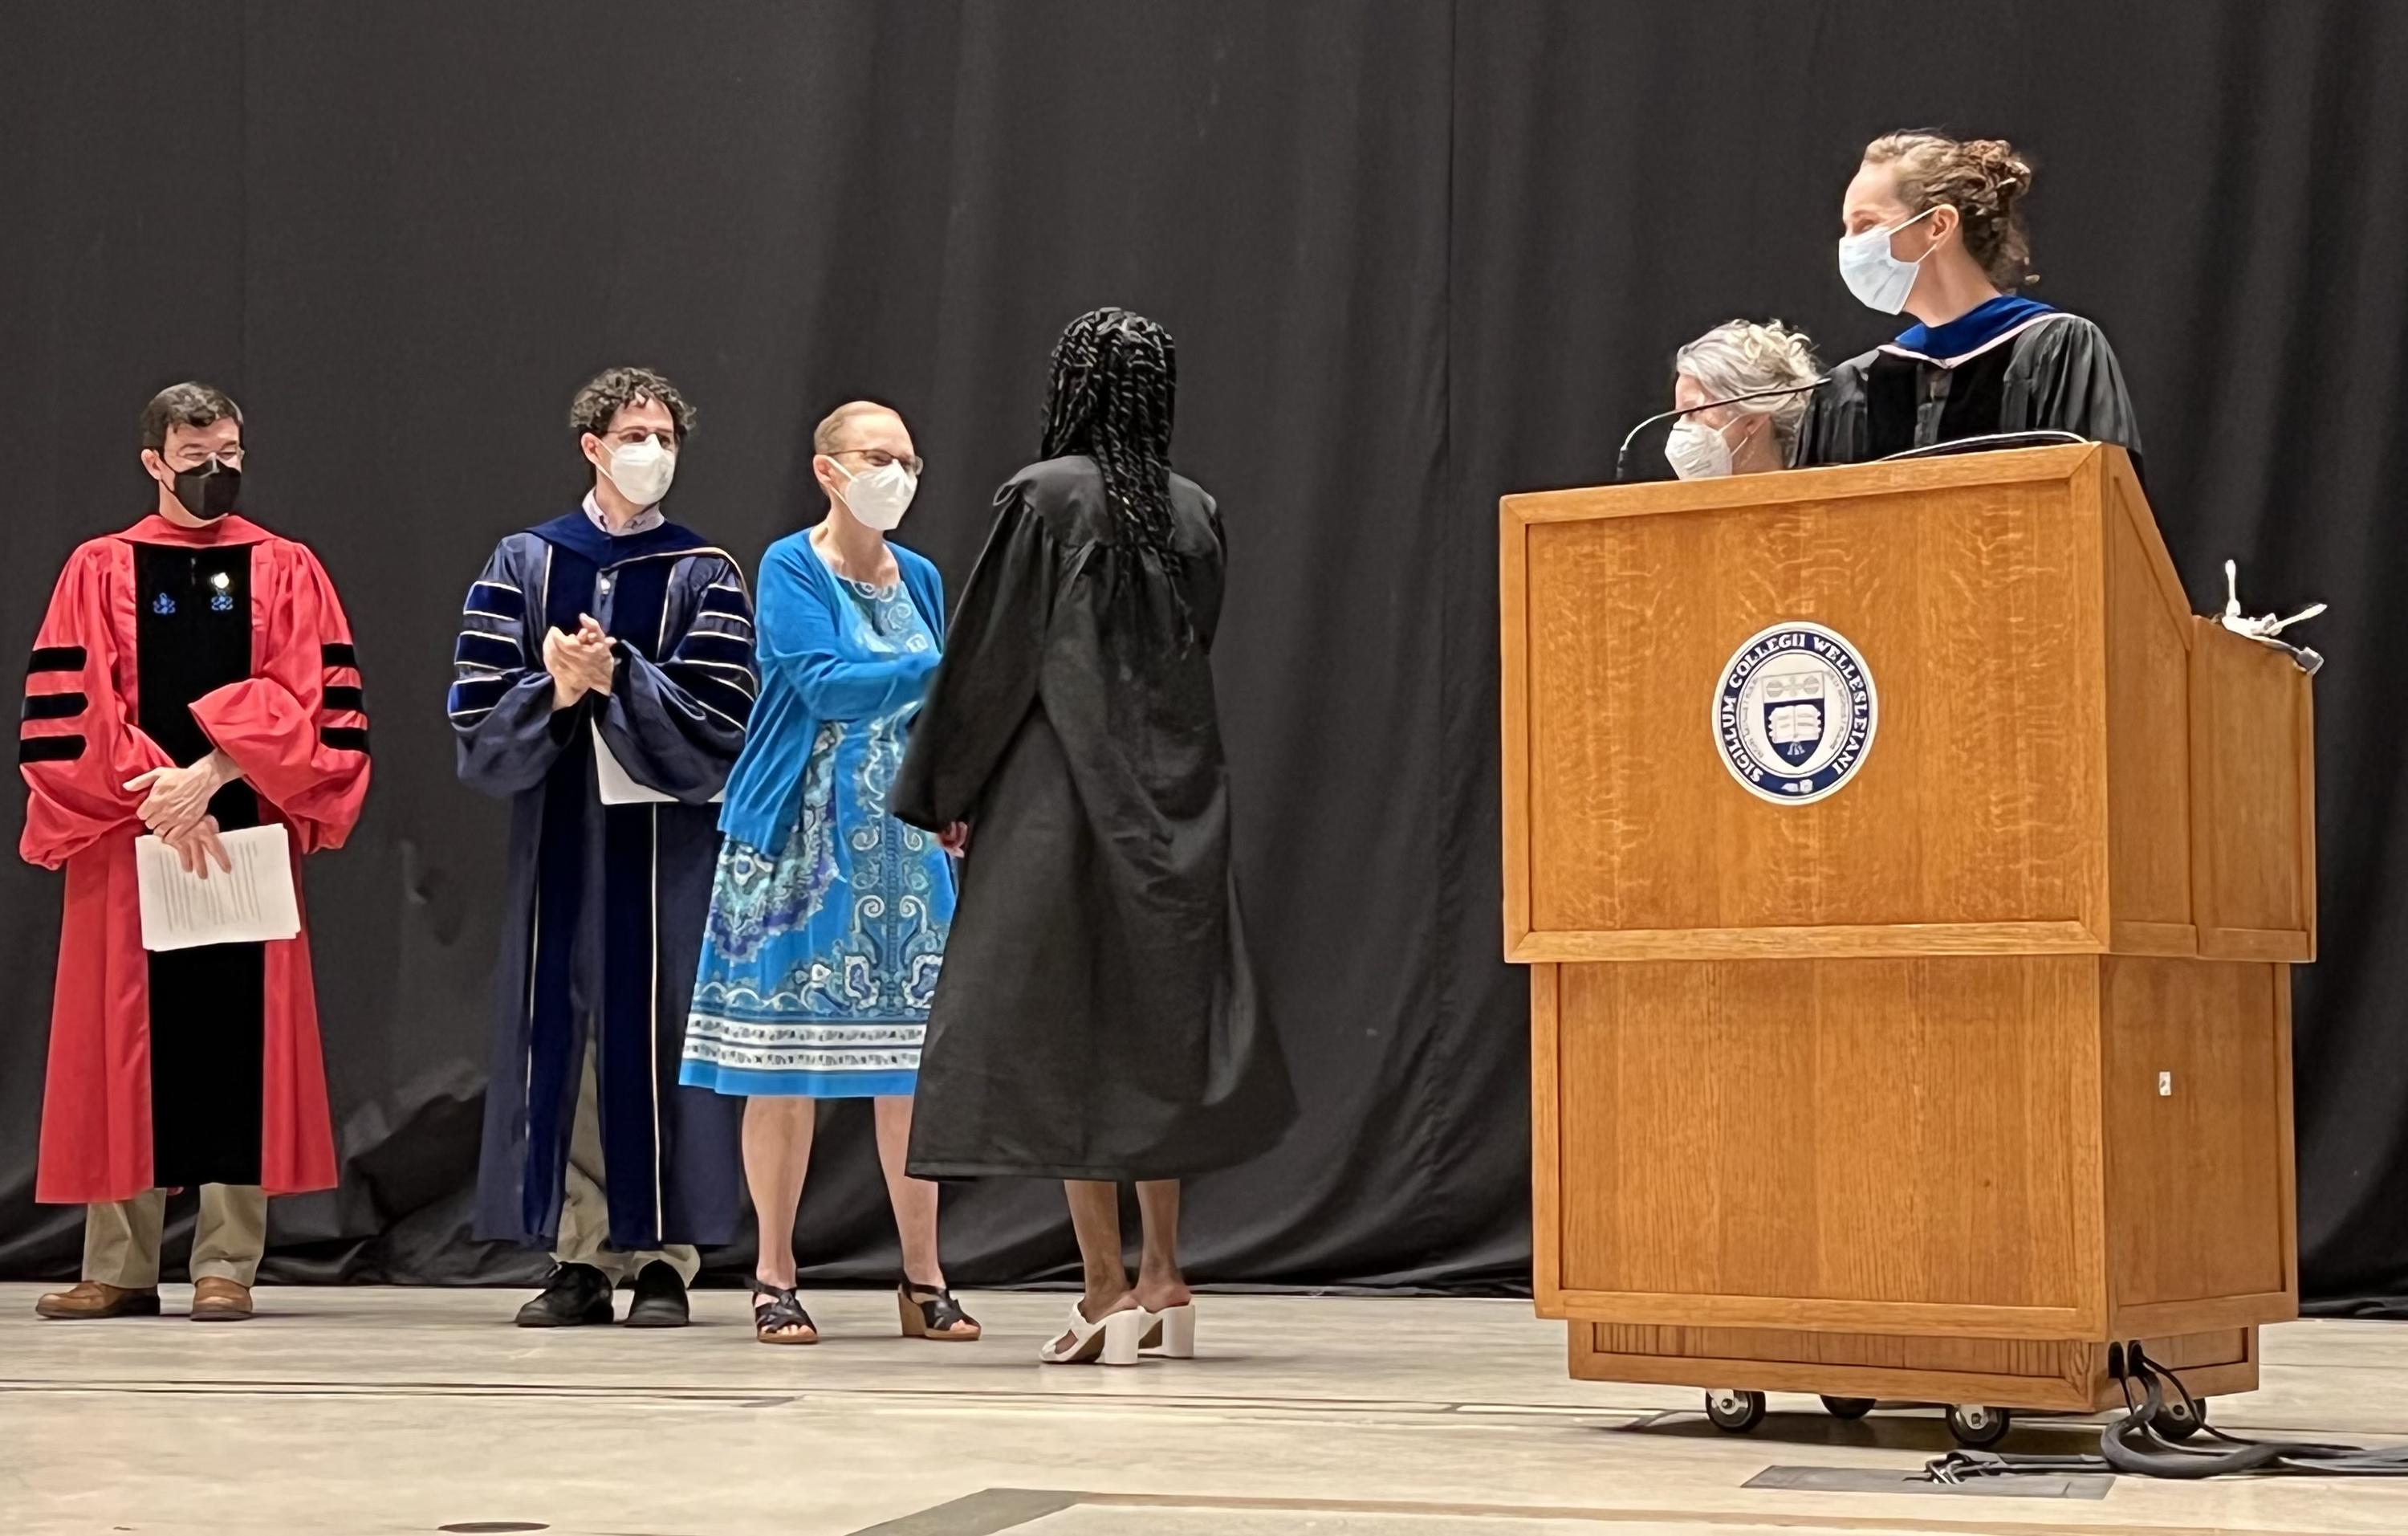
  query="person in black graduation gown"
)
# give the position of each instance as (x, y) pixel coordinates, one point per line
(1097, 1020)
(1934, 228)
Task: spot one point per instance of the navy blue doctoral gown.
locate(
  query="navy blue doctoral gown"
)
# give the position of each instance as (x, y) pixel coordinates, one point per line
(605, 906)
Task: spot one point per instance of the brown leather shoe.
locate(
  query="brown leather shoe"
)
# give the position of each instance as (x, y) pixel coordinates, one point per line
(216, 1300)
(92, 1300)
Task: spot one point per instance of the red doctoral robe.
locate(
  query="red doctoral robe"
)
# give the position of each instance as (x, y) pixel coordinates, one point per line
(201, 1065)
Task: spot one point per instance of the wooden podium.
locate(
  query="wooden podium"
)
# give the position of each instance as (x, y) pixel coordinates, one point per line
(1934, 1071)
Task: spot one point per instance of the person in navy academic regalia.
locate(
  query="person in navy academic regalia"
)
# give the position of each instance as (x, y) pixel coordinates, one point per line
(602, 682)
(1934, 228)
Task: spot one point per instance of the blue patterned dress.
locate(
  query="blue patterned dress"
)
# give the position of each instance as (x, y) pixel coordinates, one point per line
(819, 961)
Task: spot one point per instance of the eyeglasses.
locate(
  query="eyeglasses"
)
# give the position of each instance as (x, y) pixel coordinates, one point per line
(183, 459)
(878, 459)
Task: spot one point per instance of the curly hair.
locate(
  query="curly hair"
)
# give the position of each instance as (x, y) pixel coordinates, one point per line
(1983, 180)
(1114, 377)
(1741, 356)
(189, 404)
(614, 389)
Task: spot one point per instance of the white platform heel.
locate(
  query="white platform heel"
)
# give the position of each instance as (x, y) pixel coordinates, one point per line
(1173, 1334)
(1115, 1339)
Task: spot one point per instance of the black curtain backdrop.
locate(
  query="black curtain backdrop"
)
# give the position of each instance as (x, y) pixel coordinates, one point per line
(1417, 253)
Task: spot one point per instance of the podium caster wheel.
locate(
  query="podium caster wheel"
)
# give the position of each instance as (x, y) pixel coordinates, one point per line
(1976, 1427)
(1735, 1413)
(2177, 1422)
(1851, 1408)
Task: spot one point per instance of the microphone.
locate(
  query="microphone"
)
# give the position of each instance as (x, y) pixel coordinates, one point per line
(1988, 442)
(1622, 458)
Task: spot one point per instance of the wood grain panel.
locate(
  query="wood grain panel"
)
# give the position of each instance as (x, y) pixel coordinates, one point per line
(2062, 1374)
(2284, 944)
(1513, 637)
(2253, 827)
(1864, 940)
(1981, 801)
(1594, 780)
(2122, 490)
(1546, 1141)
(1888, 1382)
(1937, 1320)
(2149, 721)
(2285, 1144)
(1986, 1356)
(2217, 1312)
(2190, 1351)
(2195, 1179)
(1889, 1131)
(2169, 938)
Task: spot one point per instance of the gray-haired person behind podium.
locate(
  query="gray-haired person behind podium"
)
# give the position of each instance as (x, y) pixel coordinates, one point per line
(1933, 227)
(1740, 357)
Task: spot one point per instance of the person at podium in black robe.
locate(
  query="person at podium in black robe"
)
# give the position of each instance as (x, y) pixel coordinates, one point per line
(1097, 1020)
(1934, 228)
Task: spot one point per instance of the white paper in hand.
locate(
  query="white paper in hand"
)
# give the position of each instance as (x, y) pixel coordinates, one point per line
(250, 903)
(617, 787)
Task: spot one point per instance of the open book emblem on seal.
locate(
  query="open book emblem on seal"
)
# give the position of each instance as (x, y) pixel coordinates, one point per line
(1795, 713)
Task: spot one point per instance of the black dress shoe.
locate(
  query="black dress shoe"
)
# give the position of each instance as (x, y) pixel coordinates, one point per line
(660, 1299)
(576, 1295)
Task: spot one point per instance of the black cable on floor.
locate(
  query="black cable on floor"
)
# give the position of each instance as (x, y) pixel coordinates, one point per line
(2131, 1445)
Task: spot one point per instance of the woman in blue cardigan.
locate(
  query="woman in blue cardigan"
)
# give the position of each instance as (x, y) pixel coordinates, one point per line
(828, 916)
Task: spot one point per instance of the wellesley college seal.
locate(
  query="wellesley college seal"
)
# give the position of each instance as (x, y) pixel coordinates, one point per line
(1795, 713)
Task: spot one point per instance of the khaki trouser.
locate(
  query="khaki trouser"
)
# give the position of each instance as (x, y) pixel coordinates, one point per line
(121, 1239)
(585, 1214)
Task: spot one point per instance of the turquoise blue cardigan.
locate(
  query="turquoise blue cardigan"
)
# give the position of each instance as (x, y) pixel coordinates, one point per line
(812, 670)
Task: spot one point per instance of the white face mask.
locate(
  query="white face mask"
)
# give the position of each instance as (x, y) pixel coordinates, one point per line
(1879, 279)
(879, 497)
(643, 470)
(1697, 451)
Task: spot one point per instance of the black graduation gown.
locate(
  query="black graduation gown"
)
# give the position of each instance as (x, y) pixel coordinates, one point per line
(1097, 1016)
(2043, 370)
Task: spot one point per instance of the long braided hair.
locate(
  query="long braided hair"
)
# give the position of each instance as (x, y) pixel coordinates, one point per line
(1115, 374)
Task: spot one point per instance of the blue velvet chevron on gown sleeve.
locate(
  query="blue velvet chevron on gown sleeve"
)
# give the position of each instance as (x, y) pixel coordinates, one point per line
(677, 725)
(506, 733)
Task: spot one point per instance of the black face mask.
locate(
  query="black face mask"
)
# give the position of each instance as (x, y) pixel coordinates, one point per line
(209, 492)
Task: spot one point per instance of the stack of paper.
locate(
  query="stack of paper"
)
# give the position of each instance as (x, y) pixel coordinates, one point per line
(614, 785)
(250, 903)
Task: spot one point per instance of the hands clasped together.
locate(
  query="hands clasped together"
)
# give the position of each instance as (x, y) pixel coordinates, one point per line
(583, 663)
(580, 664)
(177, 810)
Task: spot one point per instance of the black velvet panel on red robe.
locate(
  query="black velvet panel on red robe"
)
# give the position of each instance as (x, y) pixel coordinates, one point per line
(161, 644)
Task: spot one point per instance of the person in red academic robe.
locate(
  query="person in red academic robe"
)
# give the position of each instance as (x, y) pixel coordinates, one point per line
(193, 676)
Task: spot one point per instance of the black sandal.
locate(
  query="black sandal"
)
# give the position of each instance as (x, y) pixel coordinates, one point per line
(930, 1311)
(785, 1311)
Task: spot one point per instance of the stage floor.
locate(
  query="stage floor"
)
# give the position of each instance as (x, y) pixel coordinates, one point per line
(418, 1411)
